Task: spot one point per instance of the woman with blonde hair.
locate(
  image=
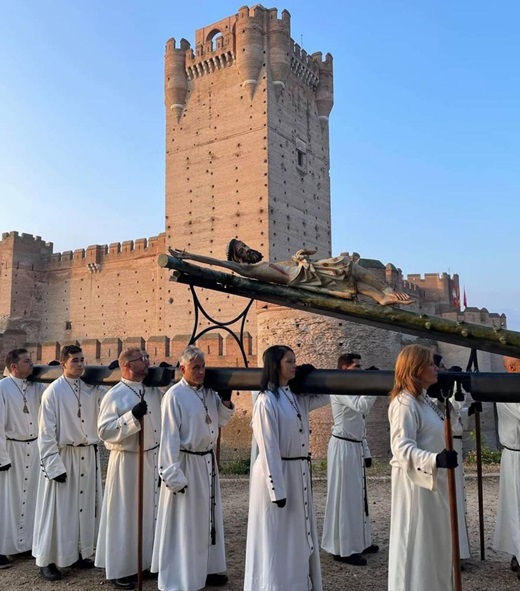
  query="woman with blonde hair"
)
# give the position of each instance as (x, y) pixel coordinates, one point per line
(420, 538)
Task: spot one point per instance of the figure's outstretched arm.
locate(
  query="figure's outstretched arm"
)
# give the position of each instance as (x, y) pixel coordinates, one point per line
(240, 268)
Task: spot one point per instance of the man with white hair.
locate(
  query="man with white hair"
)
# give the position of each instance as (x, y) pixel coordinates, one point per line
(507, 529)
(189, 551)
(19, 457)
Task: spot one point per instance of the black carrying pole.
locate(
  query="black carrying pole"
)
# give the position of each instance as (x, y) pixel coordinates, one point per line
(473, 366)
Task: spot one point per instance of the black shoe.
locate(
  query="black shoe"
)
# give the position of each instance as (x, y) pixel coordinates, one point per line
(50, 572)
(514, 564)
(4, 561)
(216, 580)
(147, 575)
(372, 549)
(355, 559)
(124, 583)
(84, 563)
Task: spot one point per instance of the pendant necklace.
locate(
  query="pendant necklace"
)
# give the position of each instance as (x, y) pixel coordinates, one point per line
(294, 404)
(77, 393)
(434, 407)
(139, 394)
(203, 400)
(22, 391)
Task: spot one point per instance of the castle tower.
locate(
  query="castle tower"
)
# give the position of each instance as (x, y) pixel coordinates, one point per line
(23, 258)
(247, 147)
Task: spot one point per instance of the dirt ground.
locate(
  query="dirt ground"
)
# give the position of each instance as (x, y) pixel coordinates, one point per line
(491, 575)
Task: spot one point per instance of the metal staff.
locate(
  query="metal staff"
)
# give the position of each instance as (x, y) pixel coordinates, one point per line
(448, 436)
(140, 487)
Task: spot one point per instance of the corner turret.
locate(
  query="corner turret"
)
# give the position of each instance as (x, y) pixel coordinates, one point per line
(279, 32)
(325, 90)
(175, 77)
(249, 45)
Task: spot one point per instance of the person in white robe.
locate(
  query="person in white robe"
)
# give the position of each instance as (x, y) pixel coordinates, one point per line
(507, 528)
(189, 551)
(123, 408)
(69, 490)
(19, 458)
(420, 550)
(347, 531)
(282, 550)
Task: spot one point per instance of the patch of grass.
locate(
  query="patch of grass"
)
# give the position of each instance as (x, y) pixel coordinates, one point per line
(235, 467)
(489, 455)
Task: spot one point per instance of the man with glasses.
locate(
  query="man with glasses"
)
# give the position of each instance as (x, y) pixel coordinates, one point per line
(69, 490)
(126, 407)
(346, 530)
(19, 458)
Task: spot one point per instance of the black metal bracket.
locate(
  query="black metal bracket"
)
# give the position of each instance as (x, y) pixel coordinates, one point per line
(218, 325)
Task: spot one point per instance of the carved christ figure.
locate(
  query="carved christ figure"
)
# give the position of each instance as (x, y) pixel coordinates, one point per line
(340, 276)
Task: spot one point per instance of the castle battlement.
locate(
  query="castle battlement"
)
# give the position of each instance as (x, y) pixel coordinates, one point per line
(27, 238)
(97, 254)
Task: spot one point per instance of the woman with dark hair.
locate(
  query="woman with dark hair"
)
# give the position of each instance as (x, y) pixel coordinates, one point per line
(282, 543)
(420, 535)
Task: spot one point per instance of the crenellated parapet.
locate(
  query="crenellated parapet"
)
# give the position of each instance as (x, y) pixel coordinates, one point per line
(254, 40)
(96, 256)
(24, 249)
(214, 49)
(220, 351)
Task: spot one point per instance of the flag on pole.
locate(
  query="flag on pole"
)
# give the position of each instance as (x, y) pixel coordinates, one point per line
(465, 299)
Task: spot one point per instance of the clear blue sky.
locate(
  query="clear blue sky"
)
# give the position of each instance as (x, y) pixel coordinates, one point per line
(425, 130)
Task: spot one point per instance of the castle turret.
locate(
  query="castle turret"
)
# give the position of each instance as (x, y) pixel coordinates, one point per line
(175, 77)
(250, 45)
(279, 31)
(325, 90)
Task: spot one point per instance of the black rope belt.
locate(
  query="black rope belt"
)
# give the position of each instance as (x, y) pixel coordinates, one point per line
(136, 451)
(213, 488)
(511, 448)
(348, 439)
(21, 440)
(457, 437)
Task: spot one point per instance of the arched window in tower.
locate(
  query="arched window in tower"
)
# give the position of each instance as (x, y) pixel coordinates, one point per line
(214, 40)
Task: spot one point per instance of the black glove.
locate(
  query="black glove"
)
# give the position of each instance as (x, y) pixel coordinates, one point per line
(225, 395)
(61, 477)
(280, 503)
(302, 371)
(368, 462)
(140, 409)
(474, 407)
(5, 468)
(447, 459)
